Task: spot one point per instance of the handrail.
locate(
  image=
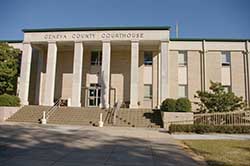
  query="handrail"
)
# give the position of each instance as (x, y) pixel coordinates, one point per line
(53, 108)
(117, 107)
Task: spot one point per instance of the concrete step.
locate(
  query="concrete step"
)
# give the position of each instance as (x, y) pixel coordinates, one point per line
(90, 116)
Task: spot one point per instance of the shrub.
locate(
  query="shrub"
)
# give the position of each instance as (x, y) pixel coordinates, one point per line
(218, 100)
(183, 105)
(9, 100)
(168, 105)
(201, 129)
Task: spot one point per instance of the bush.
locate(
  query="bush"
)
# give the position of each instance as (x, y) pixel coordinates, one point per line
(217, 99)
(9, 100)
(183, 105)
(168, 105)
(201, 129)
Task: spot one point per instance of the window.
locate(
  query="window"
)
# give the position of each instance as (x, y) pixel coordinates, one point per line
(147, 91)
(96, 58)
(227, 88)
(148, 56)
(225, 55)
(182, 91)
(182, 58)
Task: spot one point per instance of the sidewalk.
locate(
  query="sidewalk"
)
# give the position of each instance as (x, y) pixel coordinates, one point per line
(211, 136)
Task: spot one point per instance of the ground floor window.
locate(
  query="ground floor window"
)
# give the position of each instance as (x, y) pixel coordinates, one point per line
(227, 88)
(183, 90)
(147, 91)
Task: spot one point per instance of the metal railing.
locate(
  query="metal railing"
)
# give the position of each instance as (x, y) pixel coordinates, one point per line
(117, 107)
(52, 109)
(223, 118)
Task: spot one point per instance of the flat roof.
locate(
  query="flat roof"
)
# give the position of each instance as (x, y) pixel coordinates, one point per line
(171, 39)
(11, 41)
(210, 39)
(98, 28)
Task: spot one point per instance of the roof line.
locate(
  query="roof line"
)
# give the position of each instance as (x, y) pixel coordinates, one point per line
(11, 41)
(210, 39)
(98, 28)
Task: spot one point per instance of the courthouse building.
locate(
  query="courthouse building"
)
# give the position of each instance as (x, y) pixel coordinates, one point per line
(138, 66)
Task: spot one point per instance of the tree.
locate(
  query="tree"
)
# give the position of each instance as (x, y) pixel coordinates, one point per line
(9, 67)
(218, 100)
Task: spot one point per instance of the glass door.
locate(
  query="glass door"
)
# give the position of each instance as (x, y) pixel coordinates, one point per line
(94, 94)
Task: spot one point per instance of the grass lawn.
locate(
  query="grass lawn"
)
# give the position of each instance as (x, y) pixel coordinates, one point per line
(222, 152)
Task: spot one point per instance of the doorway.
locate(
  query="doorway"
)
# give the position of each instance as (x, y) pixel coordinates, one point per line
(94, 95)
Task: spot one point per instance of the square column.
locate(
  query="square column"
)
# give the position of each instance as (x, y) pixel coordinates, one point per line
(50, 74)
(134, 73)
(164, 90)
(38, 77)
(25, 73)
(105, 74)
(77, 75)
(247, 45)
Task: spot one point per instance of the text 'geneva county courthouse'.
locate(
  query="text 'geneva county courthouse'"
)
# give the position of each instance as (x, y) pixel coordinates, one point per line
(139, 66)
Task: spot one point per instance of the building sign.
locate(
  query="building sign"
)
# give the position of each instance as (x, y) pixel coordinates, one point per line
(95, 36)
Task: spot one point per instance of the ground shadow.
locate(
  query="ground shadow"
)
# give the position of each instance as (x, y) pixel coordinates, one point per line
(52, 145)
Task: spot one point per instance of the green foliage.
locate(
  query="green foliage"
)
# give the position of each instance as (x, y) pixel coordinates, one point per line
(183, 105)
(218, 100)
(9, 100)
(179, 105)
(9, 66)
(201, 129)
(168, 105)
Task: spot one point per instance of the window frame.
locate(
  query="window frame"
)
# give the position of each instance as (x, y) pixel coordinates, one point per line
(150, 92)
(226, 53)
(99, 58)
(228, 87)
(186, 90)
(148, 63)
(185, 53)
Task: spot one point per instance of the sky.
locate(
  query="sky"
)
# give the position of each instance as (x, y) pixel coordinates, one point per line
(196, 18)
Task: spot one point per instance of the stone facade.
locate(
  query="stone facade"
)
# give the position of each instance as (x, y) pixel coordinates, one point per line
(58, 64)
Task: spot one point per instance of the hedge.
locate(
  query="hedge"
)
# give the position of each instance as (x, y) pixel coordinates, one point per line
(179, 105)
(183, 105)
(168, 105)
(200, 129)
(9, 100)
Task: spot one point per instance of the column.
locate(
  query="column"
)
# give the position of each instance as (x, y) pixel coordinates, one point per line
(38, 76)
(25, 73)
(50, 74)
(164, 70)
(159, 81)
(134, 74)
(77, 75)
(247, 45)
(105, 74)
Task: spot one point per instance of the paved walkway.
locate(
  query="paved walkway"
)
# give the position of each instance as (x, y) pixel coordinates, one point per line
(35, 145)
(212, 136)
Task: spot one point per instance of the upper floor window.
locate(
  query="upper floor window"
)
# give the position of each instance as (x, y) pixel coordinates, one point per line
(182, 58)
(225, 58)
(96, 58)
(148, 58)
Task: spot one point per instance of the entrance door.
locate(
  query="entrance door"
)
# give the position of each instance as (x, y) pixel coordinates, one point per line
(94, 95)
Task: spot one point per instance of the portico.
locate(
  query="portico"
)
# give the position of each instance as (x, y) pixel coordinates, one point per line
(73, 60)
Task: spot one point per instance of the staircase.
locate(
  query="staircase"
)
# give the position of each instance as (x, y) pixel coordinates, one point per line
(146, 118)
